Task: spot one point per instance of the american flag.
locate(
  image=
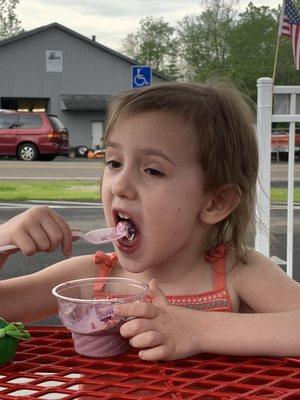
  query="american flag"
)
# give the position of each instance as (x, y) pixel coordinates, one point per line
(290, 26)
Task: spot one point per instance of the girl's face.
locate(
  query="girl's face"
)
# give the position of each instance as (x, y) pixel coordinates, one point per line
(152, 178)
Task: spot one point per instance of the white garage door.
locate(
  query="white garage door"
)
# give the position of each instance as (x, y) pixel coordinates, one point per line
(97, 133)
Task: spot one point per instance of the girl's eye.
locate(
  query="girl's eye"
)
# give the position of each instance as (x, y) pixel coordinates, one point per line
(154, 172)
(113, 164)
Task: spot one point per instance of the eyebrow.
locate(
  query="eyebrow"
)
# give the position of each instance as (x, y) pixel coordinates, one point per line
(147, 152)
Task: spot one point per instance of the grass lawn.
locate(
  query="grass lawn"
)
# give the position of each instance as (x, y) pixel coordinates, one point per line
(282, 194)
(15, 190)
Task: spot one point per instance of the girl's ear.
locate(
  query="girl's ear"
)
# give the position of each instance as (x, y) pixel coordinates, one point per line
(219, 204)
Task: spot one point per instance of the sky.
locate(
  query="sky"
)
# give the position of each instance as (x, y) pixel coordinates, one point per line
(110, 20)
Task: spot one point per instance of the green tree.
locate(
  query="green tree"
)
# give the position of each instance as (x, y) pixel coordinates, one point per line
(204, 39)
(154, 45)
(252, 45)
(9, 23)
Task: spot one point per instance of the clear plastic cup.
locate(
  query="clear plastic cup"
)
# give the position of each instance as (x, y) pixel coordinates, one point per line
(86, 308)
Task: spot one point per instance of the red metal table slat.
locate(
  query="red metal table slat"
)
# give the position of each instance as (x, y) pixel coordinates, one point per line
(47, 367)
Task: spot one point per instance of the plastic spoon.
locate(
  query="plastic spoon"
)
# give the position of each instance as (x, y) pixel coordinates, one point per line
(97, 236)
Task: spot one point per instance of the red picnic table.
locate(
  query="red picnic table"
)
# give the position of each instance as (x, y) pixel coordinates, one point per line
(47, 367)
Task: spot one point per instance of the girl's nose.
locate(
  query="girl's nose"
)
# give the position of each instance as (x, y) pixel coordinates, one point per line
(123, 185)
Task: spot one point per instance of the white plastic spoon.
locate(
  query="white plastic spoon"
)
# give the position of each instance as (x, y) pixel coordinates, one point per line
(98, 236)
(104, 235)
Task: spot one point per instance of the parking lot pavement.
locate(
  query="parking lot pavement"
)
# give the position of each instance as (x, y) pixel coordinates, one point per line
(51, 170)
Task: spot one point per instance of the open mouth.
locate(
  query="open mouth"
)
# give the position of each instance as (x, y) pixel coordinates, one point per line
(133, 233)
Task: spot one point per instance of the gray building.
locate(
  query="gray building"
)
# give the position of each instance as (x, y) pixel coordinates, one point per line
(56, 69)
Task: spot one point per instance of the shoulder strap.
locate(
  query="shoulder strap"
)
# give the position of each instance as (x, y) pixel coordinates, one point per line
(106, 262)
(219, 274)
(217, 258)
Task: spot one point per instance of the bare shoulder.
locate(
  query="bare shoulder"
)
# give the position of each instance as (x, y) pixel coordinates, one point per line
(263, 286)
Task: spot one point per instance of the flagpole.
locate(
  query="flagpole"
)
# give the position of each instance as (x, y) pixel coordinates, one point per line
(276, 57)
(278, 42)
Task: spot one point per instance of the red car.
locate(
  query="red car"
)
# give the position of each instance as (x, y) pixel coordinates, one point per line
(280, 143)
(32, 136)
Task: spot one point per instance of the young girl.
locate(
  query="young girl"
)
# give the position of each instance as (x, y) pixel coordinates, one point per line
(181, 168)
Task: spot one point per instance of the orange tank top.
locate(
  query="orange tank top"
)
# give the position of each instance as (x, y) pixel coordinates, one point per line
(217, 299)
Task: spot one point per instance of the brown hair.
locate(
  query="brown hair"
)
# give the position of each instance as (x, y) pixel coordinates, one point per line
(225, 143)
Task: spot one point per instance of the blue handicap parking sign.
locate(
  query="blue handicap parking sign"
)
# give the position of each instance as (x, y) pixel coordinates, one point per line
(141, 76)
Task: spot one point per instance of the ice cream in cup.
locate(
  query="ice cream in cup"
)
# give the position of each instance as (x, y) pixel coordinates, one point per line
(86, 308)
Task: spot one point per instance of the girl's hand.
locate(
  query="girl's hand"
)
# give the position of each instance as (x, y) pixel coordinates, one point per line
(164, 332)
(37, 229)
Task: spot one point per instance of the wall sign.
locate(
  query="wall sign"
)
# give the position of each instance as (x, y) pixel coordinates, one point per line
(54, 61)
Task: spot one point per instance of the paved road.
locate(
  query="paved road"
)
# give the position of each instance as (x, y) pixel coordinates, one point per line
(279, 171)
(87, 169)
(85, 215)
(91, 170)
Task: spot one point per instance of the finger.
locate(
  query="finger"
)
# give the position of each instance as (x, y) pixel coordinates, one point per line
(44, 229)
(53, 231)
(66, 245)
(158, 297)
(147, 339)
(136, 326)
(160, 352)
(26, 244)
(64, 232)
(138, 310)
(40, 238)
(75, 232)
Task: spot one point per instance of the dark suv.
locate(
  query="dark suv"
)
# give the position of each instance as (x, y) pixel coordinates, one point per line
(32, 136)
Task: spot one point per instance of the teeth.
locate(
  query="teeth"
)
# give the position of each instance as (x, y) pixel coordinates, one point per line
(124, 216)
(131, 238)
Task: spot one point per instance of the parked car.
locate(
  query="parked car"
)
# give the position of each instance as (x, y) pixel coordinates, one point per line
(280, 143)
(32, 136)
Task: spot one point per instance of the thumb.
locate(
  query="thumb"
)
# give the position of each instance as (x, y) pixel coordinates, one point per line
(158, 297)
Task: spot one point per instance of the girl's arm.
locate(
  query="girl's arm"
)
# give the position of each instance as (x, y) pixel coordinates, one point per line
(29, 298)
(164, 332)
(168, 332)
(274, 326)
(265, 334)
